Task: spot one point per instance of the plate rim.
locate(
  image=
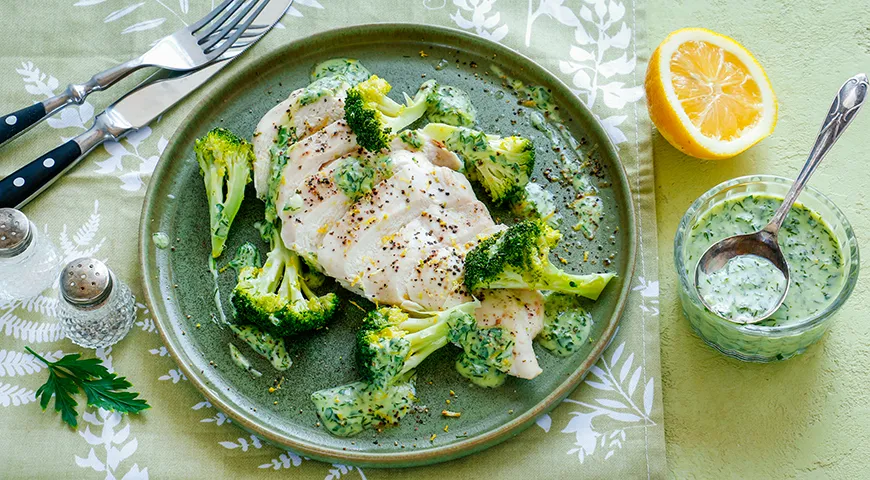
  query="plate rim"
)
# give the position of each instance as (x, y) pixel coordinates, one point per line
(248, 420)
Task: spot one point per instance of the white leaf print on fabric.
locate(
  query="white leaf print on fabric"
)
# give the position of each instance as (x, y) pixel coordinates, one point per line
(120, 19)
(545, 422)
(218, 419)
(28, 330)
(135, 179)
(142, 26)
(551, 8)
(287, 459)
(618, 378)
(338, 470)
(118, 14)
(82, 243)
(434, 4)
(295, 12)
(599, 65)
(23, 363)
(173, 375)
(144, 320)
(649, 292)
(14, 395)
(592, 64)
(44, 86)
(480, 20)
(243, 443)
(115, 446)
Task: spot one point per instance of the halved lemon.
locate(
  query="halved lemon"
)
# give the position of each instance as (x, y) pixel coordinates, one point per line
(707, 95)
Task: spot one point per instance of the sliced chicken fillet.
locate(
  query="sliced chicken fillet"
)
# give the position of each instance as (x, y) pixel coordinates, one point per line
(303, 120)
(413, 191)
(522, 313)
(308, 156)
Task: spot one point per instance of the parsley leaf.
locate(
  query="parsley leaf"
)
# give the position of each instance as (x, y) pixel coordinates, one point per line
(102, 388)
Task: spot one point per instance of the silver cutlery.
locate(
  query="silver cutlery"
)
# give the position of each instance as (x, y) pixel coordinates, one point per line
(187, 49)
(136, 109)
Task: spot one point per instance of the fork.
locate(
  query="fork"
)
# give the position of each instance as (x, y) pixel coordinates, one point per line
(187, 49)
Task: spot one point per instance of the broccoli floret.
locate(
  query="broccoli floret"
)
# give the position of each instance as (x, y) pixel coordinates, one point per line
(276, 299)
(487, 352)
(501, 165)
(519, 258)
(567, 325)
(448, 105)
(349, 409)
(225, 162)
(348, 68)
(392, 343)
(535, 202)
(247, 255)
(374, 117)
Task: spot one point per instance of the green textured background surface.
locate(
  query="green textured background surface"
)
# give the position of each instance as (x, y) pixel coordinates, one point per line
(807, 417)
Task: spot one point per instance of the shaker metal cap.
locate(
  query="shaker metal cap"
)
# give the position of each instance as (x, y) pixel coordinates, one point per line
(85, 282)
(15, 233)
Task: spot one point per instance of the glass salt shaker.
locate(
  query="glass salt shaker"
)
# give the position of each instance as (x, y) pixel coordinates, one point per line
(29, 262)
(95, 309)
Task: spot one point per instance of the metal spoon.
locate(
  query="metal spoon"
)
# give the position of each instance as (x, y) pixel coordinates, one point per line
(764, 243)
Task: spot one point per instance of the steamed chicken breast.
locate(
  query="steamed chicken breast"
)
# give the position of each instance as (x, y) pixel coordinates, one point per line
(299, 114)
(404, 242)
(521, 312)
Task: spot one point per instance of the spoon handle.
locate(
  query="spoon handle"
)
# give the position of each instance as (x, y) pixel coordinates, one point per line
(846, 104)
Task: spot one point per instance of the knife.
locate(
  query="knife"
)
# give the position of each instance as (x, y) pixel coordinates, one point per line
(151, 98)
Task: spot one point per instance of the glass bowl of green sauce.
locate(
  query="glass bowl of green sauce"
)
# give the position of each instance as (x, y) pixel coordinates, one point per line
(819, 245)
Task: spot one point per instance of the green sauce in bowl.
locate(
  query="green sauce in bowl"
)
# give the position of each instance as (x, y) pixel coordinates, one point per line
(818, 244)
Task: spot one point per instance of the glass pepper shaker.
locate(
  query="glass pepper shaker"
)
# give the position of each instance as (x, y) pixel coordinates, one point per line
(95, 309)
(29, 262)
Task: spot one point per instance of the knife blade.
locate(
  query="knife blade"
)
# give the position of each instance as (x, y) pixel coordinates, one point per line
(147, 101)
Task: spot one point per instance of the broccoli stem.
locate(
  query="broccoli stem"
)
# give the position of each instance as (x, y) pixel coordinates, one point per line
(589, 286)
(424, 342)
(215, 192)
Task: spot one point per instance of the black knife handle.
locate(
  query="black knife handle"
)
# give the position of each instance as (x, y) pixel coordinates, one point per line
(22, 185)
(14, 123)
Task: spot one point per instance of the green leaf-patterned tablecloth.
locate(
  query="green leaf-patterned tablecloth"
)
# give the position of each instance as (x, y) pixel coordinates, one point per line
(612, 426)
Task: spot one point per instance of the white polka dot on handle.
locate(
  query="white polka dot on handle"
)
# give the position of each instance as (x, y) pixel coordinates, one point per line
(48, 163)
(18, 182)
(11, 120)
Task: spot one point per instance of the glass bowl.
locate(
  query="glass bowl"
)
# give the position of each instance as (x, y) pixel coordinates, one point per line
(758, 343)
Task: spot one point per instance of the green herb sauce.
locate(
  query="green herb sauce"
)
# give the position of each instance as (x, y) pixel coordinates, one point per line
(242, 361)
(160, 239)
(349, 68)
(811, 249)
(266, 345)
(567, 325)
(450, 105)
(349, 409)
(745, 288)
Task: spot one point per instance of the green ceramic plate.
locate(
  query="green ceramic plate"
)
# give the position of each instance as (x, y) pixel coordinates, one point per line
(178, 282)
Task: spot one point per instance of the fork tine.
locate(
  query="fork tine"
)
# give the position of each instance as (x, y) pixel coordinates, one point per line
(210, 47)
(222, 45)
(252, 31)
(210, 16)
(211, 28)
